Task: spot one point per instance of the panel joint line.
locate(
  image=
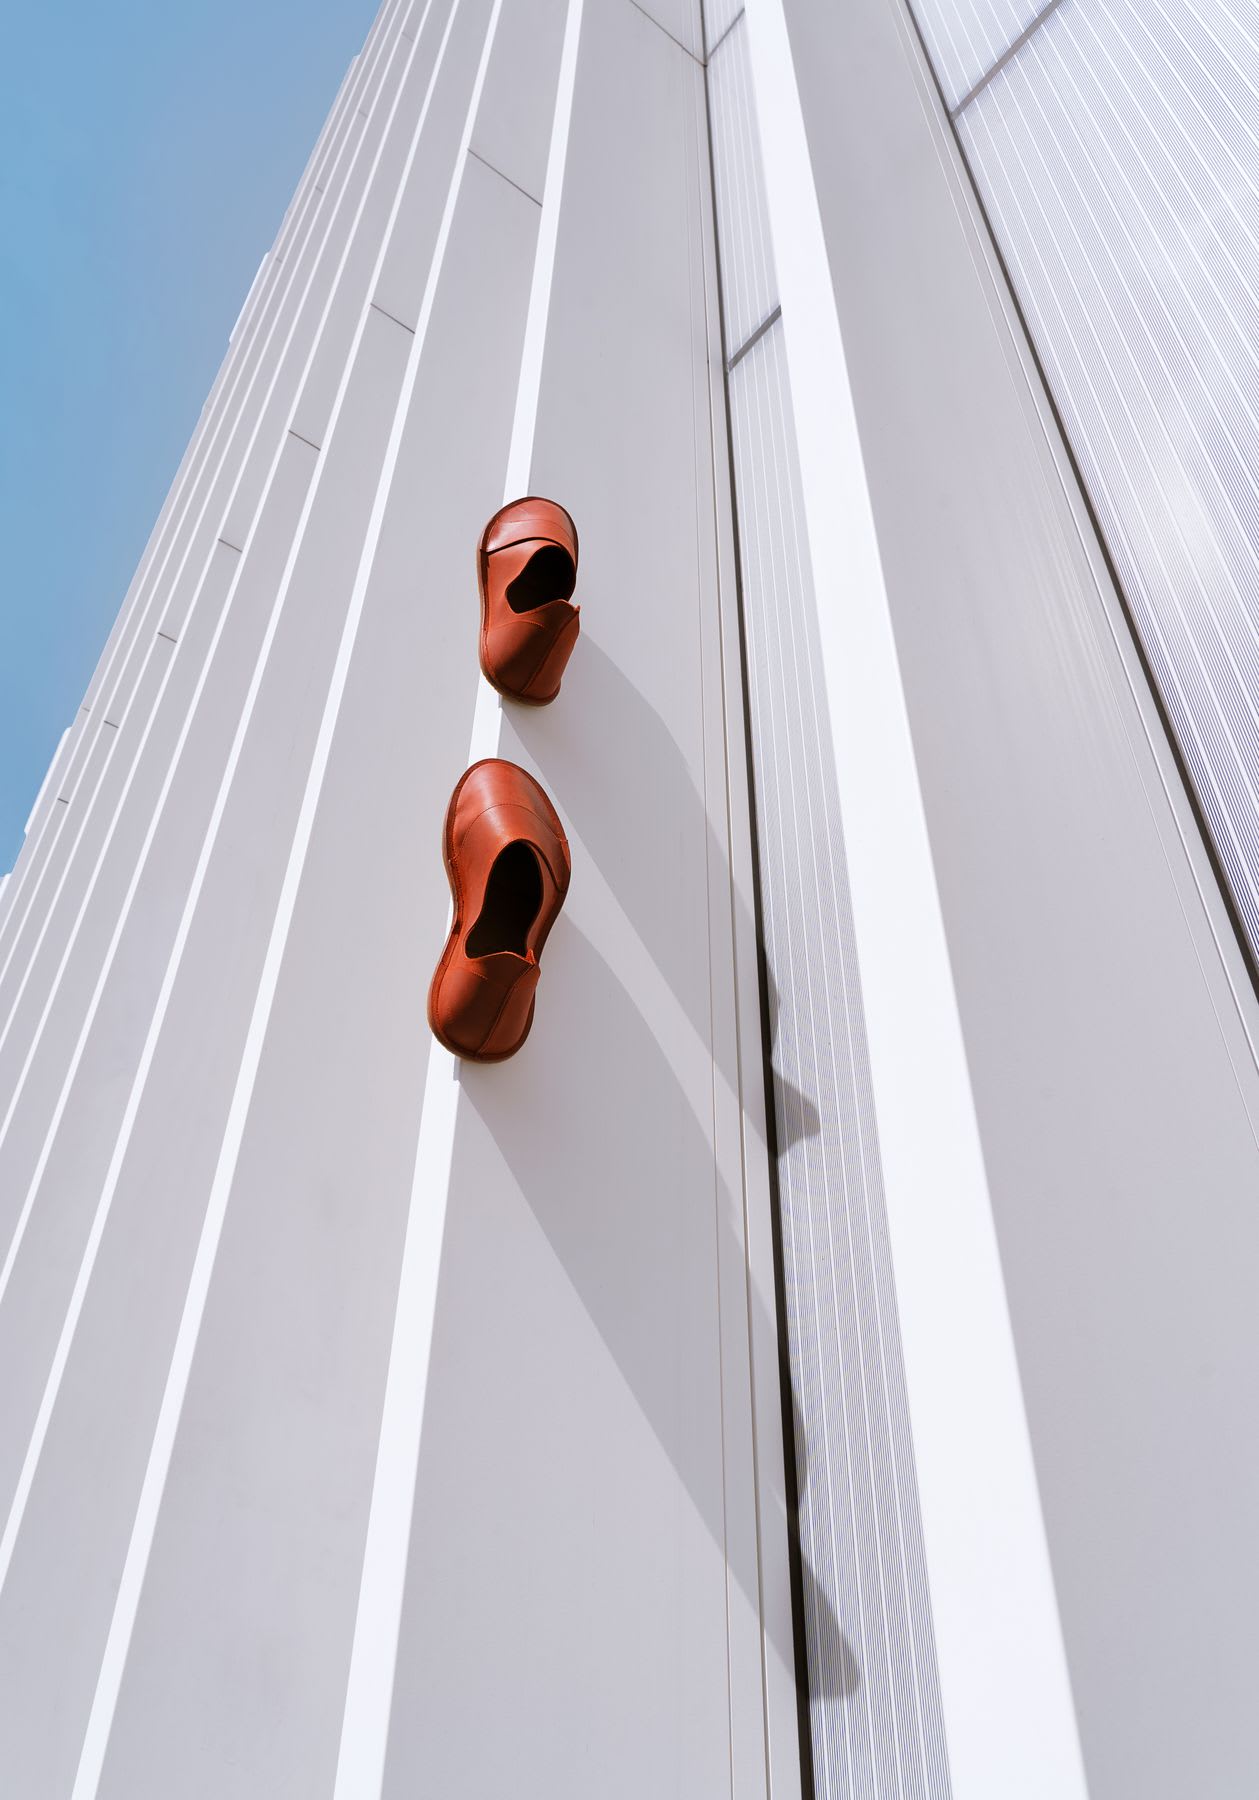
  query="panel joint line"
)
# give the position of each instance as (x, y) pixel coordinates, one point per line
(1006, 57)
(388, 315)
(487, 164)
(652, 19)
(726, 33)
(750, 343)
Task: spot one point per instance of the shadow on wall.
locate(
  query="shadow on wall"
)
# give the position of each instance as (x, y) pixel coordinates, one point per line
(600, 791)
(795, 1115)
(834, 1672)
(626, 1244)
(624, 788)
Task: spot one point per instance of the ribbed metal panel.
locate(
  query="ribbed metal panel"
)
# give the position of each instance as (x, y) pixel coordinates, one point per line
(877, 1724)
(968, 37)
(748, 291)
(874, 1696)
(1117, 153)
(719, 16)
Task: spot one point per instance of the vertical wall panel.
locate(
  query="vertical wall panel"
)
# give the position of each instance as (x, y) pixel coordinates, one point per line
(66, 1560)
(875, 1703)
(334, 1122)
(748, 289)
(233, 445)
(331, 260)
(1117, 153)
(211, 1097)
(719, 16)
(1108, 1028)
(576, 1366)
(513, 123)
(967, 38)
(877, 1725)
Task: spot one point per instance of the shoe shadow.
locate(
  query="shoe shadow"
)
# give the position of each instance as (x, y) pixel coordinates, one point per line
(833, 1670)
(637, 1250)
(626, 791)
(631, 803)
(795, 1116)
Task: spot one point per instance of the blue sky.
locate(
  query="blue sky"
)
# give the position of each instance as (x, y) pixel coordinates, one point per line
(147, 154)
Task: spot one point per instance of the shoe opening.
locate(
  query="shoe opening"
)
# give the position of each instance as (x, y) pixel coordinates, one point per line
(513, 899)
(548, 575)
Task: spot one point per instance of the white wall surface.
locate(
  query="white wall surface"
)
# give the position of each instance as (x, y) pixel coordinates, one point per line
(212, 1073)
(1106, 1016)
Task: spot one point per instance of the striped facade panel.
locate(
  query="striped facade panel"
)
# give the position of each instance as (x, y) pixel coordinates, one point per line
(235, 433)
(198, 591)
(748, 289)
(876, 1721)
(968, 38)
(214, 1055)
(876, 1718)
(1117, 156)
(719, 17)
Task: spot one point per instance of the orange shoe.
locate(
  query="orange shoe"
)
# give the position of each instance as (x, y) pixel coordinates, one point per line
(527, 569)
(508, 867)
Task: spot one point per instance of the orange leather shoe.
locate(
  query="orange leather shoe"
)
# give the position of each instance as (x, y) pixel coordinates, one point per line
(527, 569)
(508, 867)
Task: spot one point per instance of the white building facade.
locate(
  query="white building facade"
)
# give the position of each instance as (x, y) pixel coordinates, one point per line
(820, 1363)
